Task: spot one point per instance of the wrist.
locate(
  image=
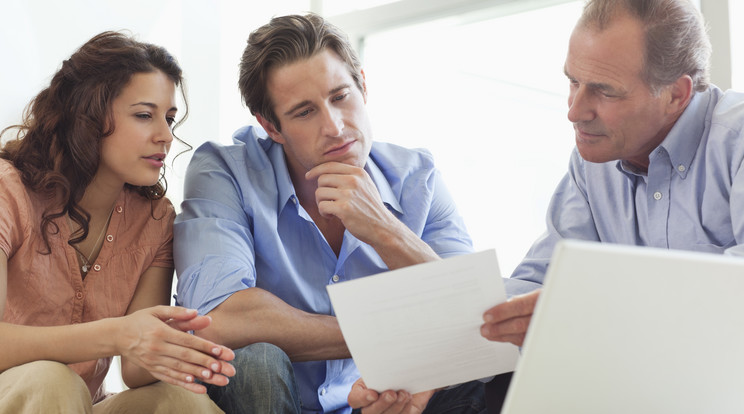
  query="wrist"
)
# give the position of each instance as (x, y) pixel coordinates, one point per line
(117, 334)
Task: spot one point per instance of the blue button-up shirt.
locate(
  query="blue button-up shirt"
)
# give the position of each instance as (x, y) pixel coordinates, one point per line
(692, 197)
(242, 226)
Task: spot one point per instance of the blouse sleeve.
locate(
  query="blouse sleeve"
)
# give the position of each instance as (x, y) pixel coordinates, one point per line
(164, 255)
(15, 207)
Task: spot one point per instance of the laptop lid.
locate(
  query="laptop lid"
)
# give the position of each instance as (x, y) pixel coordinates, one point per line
(625, 329)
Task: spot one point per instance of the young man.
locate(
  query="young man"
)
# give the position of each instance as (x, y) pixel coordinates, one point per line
(270, 221)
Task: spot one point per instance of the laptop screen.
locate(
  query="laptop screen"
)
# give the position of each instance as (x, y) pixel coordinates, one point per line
(625, 329)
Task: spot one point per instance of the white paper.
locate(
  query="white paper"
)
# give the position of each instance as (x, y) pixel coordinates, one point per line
(418, 328)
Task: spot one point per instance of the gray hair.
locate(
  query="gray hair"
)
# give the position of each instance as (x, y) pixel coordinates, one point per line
(677, 43)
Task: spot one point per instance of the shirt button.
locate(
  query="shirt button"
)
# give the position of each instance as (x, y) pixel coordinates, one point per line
(110, 238)
(681, 168)
(323, 391)
(97, 267)
(119, 209)
(335, 278)
(657, 196)
(294, 199)
(79, 295)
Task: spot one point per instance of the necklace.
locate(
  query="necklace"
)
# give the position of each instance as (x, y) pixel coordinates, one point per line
(86, 260)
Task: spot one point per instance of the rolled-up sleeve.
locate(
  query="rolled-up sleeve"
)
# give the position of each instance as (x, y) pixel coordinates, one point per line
(569, 217)
(445, 229)
(213, 243)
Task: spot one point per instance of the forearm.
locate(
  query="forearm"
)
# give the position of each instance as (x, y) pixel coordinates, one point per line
(68, 344)
(399, 247)
(255, 315)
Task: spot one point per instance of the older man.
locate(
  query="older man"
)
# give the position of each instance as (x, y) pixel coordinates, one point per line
(659, 149)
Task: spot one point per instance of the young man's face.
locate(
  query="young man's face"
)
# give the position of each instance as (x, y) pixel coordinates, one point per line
(615, 113)
(321, 112)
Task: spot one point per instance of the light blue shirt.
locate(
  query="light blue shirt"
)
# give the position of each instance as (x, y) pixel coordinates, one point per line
(692, 197)
(242, 226)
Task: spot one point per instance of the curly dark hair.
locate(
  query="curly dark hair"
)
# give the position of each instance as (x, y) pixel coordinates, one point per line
(58, 144)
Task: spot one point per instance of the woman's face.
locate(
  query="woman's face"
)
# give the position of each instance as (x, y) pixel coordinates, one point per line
(143, 114)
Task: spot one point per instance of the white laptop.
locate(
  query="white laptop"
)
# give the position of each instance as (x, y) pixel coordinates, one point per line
(622, 329)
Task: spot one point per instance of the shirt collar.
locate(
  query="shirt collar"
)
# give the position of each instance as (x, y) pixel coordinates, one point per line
(383, 186)
(281, 173)
(683, 139)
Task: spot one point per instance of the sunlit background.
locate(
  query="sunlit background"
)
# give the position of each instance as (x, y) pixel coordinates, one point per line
(477, 82)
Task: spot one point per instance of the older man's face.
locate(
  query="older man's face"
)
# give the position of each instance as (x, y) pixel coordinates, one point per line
(615, 114)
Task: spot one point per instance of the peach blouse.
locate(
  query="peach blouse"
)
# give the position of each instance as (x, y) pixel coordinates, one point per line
(48, 289)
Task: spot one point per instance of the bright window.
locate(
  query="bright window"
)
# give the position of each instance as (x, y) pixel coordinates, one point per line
(736, 16)
(488, 99)
(334, 7)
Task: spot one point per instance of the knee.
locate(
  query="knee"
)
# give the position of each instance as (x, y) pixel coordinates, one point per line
(261, 357)
(260, 364)
(264, 382)
(47, 384)
(52, 377)
(157, 398)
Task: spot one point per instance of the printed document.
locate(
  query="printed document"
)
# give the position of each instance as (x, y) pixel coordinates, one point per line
(418, 328)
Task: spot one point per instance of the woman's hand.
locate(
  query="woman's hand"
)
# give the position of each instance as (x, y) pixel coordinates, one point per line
(156, 340)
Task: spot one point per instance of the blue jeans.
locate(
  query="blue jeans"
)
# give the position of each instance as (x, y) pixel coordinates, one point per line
(264, 383)
(467, 398)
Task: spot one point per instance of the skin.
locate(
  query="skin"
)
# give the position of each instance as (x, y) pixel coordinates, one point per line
(151, 339)
(326, 136)
(616, 116)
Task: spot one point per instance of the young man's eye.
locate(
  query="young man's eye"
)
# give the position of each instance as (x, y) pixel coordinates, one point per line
(304, 113)
(340, 97)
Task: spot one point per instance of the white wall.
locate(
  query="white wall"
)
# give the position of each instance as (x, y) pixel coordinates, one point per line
(206, 36)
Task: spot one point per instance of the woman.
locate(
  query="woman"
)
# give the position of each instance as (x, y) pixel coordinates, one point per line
(86, 244)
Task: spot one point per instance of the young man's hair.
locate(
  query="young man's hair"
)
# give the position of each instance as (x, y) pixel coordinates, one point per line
(285, 40)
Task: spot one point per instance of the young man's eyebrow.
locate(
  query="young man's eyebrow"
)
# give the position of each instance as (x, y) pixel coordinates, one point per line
(296, 107)
(307, 102)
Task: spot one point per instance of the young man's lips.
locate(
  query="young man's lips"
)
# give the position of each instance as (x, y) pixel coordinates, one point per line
(340, 148)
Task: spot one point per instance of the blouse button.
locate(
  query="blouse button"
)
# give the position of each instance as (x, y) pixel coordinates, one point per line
(79, 295)
(110, 238)
(119, 209)
(97, 267)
